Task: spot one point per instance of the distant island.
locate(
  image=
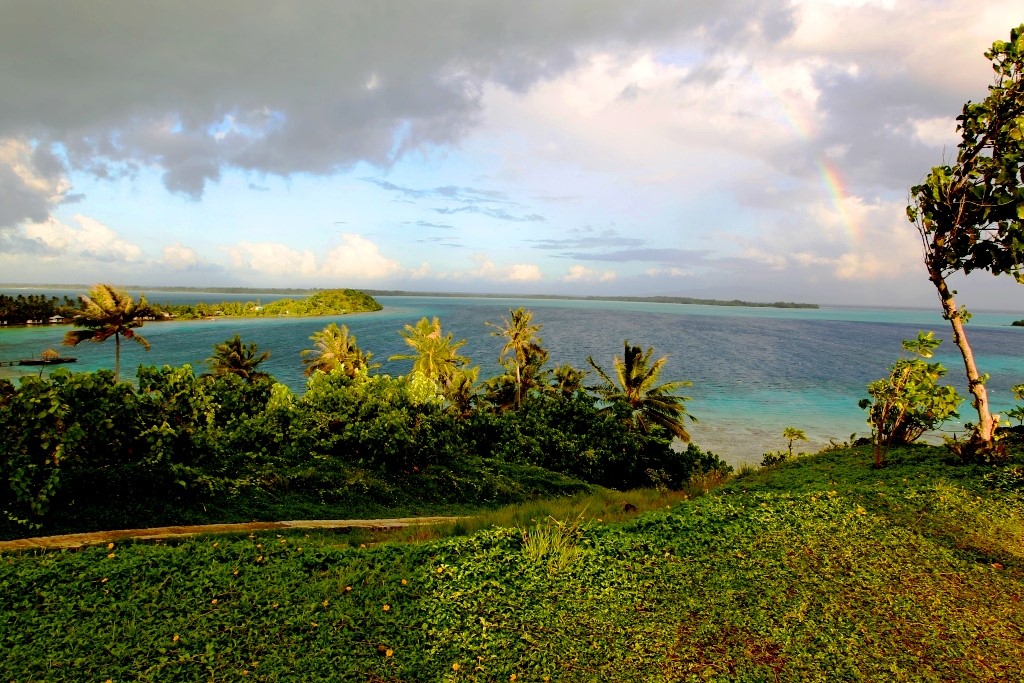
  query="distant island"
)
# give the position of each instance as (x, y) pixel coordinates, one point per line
(639, 299)
(248, 308)
(323, 302)
(37, 309)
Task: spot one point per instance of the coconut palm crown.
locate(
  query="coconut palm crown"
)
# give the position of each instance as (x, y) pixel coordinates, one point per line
(234, 357)
(109, 312)
(636, 385)
(522, 355)
(336, 348)
(434, 355)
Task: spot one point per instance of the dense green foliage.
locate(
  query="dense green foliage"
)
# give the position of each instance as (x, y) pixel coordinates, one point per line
(910, 401)
(970, 215)
(326, 302)
(17, 310)
(86, 451)
(822, 570)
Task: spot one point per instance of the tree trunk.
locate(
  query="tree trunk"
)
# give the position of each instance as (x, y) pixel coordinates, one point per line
(984, 432)
(117, 358)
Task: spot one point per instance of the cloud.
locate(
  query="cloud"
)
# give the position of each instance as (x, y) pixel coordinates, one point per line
(356, 259)
(583, 274)
(427, 224)
(667, 256)
(271, 258)
(462, 200)
(500, 214)
(523, 272)
(588, 238)
(32, 182)
(194, 88)
(668, 272)
(486, 270)
(90, 240)
(359, 259)
(179, 257)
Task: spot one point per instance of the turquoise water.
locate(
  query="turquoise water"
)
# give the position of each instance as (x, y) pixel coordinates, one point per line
(754, 370)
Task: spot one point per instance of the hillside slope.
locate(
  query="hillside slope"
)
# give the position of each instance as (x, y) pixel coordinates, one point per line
(821, 570)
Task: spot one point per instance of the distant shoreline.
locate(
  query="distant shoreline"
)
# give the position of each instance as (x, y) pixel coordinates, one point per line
(455, 295)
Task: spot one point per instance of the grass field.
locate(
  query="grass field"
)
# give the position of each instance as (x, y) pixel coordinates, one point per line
(820, 570)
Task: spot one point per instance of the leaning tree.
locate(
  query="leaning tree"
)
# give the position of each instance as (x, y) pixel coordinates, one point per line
(970, 215)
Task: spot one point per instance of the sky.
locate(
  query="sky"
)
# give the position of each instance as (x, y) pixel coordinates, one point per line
(734, 149)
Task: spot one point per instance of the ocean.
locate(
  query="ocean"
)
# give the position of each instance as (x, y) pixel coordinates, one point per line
(755, 371)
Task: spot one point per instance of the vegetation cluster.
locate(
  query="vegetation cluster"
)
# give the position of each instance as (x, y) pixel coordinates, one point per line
(88, 451)
(18, 310)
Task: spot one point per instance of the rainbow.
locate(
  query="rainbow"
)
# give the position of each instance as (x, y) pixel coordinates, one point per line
(831, 178)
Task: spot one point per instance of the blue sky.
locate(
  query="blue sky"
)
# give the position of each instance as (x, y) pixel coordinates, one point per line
(735, 149)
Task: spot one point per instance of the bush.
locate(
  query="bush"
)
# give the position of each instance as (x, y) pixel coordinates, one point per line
(573, 436)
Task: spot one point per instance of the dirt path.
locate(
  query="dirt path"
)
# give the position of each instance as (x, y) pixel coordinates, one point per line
(163, 532)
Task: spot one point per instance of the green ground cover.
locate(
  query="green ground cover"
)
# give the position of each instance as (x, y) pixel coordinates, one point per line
(820, 569)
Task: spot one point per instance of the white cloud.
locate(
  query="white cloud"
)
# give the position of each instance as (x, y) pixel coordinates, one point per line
(486, 270)
(358, 258)
(355, 260)
(579, 273)
(180, 257)
(523, 272)
(91, 239)
(272, 258)
(938, 131)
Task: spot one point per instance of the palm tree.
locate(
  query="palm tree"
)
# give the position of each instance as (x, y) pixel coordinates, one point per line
(636, 385)
(567, 380)
(461, 394)
(435, 355)
(233, 357)
(523, 346)
(336, 348)
(109, 312)
(793, 434)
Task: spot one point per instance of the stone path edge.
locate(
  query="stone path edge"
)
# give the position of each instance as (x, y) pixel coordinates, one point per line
(71, 541)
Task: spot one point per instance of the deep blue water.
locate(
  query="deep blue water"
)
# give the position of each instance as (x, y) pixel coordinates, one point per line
(754, 370)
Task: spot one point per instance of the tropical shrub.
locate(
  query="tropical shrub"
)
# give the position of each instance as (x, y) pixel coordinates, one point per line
(374, 421)
(909, 402)
(575, 436)
(61, 430)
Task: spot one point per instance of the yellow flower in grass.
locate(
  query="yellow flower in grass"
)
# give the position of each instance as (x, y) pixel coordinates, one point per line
(455, 666)
(389, 652)
(387, 607)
